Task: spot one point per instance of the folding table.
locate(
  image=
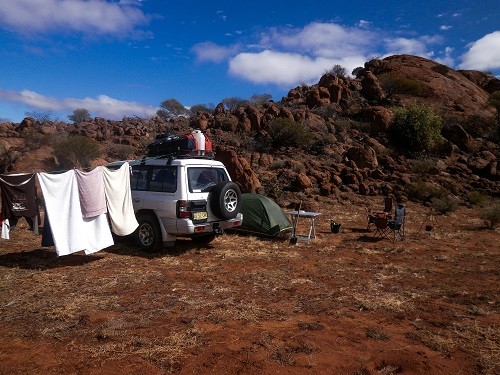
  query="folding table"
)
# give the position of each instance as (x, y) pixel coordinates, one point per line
(294, 216)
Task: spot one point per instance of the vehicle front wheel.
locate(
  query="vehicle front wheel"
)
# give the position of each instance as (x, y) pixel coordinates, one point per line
(148, 235)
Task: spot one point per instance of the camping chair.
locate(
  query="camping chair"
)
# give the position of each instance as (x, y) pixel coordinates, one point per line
(397, 225)
(372, 215)
(381, 222)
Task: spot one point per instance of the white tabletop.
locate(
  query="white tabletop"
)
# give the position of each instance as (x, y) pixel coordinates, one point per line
(304, 213)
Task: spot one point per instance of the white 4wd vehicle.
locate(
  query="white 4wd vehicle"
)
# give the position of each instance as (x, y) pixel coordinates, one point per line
(182, 197)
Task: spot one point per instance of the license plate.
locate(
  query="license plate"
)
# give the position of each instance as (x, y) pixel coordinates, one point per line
(200, 215)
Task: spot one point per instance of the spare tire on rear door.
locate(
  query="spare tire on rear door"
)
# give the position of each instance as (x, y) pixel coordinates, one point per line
(225, 200)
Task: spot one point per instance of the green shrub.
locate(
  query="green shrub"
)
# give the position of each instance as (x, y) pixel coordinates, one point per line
(491, 215)
(33, 139)
(76, 151)
(445, 204)
(423, 166)
(121, 152)
(441, 69)
(7, 158)
(477, 198)
(394, 84)
(325, 112)
(288, 133)
(424, 192)
(416, 128)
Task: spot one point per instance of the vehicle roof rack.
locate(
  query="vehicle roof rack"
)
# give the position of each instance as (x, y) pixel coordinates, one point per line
(193, 154)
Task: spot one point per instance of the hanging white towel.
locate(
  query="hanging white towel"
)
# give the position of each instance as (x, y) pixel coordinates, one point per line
(119, 200)
(71, 232)
(91, 191)
(6, 229)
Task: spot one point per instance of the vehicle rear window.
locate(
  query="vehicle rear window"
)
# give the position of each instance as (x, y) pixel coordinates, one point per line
(202, 179)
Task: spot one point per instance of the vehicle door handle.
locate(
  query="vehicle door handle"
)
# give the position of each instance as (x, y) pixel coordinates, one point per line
(137, 200)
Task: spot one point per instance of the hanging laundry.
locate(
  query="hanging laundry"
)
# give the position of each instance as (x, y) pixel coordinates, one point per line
(19, 199)
(119, 200)
(91, 192)
(70, 230)
(5, 229)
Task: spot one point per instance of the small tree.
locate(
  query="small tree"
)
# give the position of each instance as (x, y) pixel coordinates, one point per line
(233, 103)
(337, 70)
(357, 71)
(193, 111)
(259, 99)
(41, 116)
(416, 128)
(171, 108)
(79, 115)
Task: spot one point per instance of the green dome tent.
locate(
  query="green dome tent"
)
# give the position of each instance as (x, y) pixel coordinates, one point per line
(262, 216)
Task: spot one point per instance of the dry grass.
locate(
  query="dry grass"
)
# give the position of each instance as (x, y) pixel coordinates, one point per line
(260, 304)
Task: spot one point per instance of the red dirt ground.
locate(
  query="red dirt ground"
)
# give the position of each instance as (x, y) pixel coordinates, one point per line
(341, 304)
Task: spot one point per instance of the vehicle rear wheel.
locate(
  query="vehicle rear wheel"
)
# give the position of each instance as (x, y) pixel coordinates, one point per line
(225, 200)
(148, 235)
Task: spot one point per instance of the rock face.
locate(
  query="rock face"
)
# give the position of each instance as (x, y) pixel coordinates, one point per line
(239, 169)
(343, 147)
(442, 88)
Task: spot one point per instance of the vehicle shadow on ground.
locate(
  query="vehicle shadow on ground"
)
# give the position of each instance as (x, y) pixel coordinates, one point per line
(44, 258)
(127, 247)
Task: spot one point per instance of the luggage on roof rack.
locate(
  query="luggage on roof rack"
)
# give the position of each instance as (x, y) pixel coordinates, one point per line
(194, 144)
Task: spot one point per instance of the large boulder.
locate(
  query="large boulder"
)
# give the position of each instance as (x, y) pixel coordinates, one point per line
(239, 169)
(364, 157)
(458, 135)
(370, 87)
(379, 118)
(27, 123)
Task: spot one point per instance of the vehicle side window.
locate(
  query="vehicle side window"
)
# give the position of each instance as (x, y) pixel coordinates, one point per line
(163, 179)
(139, 177)
(202, 179)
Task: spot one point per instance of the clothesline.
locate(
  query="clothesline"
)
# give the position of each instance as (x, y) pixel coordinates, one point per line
(77, 206)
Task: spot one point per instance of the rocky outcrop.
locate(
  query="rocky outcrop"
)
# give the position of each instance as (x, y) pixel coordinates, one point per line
(345, 146)
(436, 85)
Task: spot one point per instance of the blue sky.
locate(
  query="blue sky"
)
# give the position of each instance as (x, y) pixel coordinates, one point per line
(123, 58)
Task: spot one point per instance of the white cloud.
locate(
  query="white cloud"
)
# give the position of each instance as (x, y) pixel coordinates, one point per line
(363, 24)
(445, 27)
(445, 57)
(288, 56)
(92, 17)
(102, 106)
(321, 39)
(483, 54)
(411, 46)
(208, 51)
(285, 68)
